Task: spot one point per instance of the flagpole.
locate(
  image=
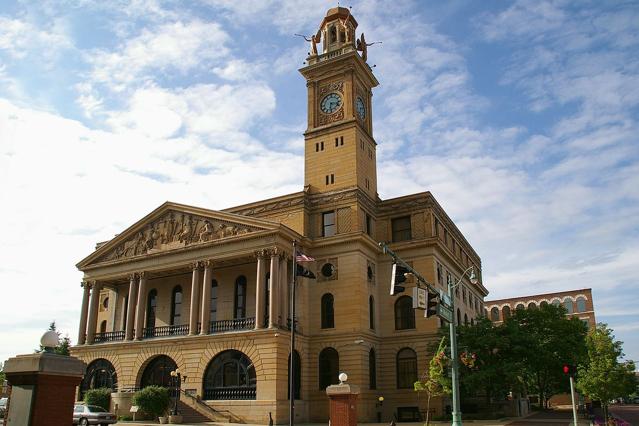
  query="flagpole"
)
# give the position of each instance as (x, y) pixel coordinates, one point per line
(291, 370)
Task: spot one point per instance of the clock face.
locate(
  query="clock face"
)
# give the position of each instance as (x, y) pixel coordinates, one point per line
(331, 103)
(361, 108)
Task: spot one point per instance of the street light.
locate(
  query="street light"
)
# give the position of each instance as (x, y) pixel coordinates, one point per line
(379, 404)
(457, 421)
(177, 380)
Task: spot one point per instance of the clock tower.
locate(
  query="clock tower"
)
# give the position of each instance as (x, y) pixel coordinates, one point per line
(340, 151)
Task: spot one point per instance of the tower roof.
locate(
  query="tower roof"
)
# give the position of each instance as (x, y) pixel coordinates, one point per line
(337, 13)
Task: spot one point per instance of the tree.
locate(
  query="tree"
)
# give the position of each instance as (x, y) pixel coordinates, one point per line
(603, 377)
(434, 381)
(544, 340)
(63, 343)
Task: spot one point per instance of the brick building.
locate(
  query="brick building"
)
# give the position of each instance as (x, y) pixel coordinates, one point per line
(208, 291)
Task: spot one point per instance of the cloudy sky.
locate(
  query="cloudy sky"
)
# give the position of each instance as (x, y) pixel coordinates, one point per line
(520, 117)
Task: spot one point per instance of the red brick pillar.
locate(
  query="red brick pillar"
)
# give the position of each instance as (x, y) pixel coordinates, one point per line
(42, 388)
(343, 404)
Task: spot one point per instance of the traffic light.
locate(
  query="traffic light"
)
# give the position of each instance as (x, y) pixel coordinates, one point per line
(569, 369)
(398, 276)
(431, 304)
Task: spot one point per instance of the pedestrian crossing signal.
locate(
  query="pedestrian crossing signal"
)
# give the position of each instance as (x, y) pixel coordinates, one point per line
(569, 370)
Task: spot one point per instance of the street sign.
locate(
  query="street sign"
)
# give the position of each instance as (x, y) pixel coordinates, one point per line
(445, 298)
(445, 313)
(419, 298)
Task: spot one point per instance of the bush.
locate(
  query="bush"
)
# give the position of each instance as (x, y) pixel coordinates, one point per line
(153, 400)
(100, 397)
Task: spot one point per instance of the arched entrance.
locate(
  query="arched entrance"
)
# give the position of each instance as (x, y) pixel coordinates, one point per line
(100, 374)
(158, 372)
(230, 375)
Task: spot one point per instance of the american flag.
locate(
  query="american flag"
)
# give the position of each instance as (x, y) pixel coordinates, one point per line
(301, 257)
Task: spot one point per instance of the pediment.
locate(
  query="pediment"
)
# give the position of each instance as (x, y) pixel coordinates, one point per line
(172, 227)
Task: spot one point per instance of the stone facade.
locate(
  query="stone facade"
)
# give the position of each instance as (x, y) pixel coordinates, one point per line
(233, 270)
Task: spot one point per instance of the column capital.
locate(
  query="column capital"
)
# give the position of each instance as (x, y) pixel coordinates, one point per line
(142, 274)
(198, 264)
(133, 276)
(274, 251)
(260, 254)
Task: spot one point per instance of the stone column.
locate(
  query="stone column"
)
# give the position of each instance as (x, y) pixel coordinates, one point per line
(140, 308)
(206, 297)
(260, 302)
(284, 302)
(130, 310)
(273, 307)
(93, 312)
(195, 298)
(84, 312)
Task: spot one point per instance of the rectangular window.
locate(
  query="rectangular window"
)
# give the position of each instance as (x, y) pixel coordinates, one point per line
(341, 140)
(436, 227)
(321, 146)
(328, 224)
(336, 141)
(440, 274)
(401, 229)
(332, 178)
(369, 225)
(316, 147)
(326, 179)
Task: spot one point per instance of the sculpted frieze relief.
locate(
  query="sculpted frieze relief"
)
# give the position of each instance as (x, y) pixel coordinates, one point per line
(175, 230)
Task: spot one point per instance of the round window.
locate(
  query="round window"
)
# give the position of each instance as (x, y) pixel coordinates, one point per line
(328, 270)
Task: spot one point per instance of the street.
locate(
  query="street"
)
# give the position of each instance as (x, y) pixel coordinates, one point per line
(629, 413)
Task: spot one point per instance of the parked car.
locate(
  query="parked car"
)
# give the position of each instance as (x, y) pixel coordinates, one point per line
(85, 415)
(3, 406)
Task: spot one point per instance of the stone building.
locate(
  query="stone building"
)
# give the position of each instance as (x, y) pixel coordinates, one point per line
(208, 291)
(578, 304)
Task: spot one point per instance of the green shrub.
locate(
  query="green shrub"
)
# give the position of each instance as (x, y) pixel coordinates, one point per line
(153, 400)
(100, 397)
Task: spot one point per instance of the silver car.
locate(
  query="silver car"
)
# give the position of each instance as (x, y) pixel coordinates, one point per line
(84, 415)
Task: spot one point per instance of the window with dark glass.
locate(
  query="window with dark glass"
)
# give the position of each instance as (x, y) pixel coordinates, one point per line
(568, 305)
(401, 228)
(505, 312)
(328, 224)
(126, 308)
(581, 304)
(372, 370)
(371, 313)
(158, 372)
(239, 309)
(297, 374)
(369, 224)
(327, 312)
(404, 313)
(214, 300)
(103, 326)
(151, 307)
(176, 306)
(458, 317)
(100, 373)
(406, 368)
(267, 298)
(328, 368)
(494, 314)
(230, 375)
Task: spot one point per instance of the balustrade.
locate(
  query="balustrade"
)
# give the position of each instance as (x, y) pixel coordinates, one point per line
(232, 393)
(109, 336)
(231, 325)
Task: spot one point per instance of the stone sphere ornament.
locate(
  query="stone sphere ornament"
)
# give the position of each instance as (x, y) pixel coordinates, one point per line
(342, 378)
(49, 340)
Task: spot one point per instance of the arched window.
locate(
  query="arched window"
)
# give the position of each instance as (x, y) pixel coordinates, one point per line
(543, 304)
(406, 368)
(333, 33)
(214, 300)
(176, 306)
(568, 305)
(494, 314)
(328, 368)
(520, 306)
(532, 305)
(472, 321)
(505, 312)
(239, 310)
(151, 307)
(230, 375)
(371, 313)
(581, 304)
(458, 317)
(372, 370)
(103, 325)
(297, 374)
(404, 313)
(100, 374)
(328, 314)
(556, 302)
(158, 372)
(465, 319)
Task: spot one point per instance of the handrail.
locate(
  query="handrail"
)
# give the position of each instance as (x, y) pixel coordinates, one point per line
(202, 405)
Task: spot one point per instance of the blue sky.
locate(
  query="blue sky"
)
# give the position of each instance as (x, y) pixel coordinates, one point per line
(520, 117)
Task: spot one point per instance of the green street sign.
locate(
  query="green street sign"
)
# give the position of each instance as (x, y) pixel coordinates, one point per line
(445, 312)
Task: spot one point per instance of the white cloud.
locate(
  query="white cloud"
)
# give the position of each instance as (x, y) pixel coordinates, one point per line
(171, 47)
(20, 39)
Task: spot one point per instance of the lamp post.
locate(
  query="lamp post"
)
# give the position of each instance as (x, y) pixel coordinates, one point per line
(379, 404)
(457, 421)
(177, 380)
